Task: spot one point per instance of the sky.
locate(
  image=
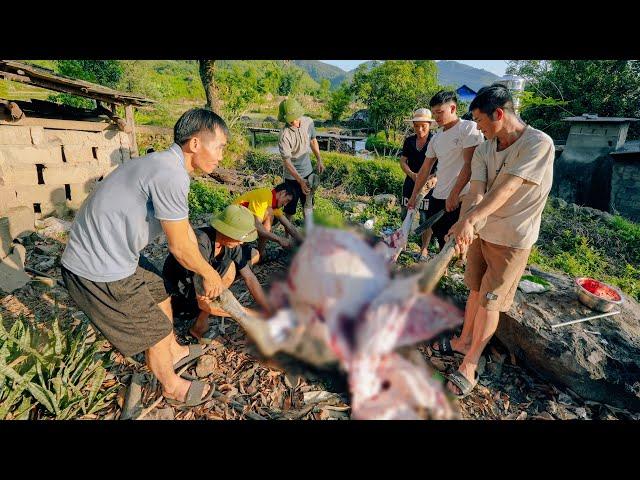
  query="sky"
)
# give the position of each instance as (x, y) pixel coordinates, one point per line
(495, 66)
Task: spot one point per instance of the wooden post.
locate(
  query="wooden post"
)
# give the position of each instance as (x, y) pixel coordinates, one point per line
(353, 145)
(253, 138)
(328, 144)
(128, 115)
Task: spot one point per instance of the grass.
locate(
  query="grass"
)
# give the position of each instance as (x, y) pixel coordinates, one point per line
(579, 243)
(357, 176)
(205, 197)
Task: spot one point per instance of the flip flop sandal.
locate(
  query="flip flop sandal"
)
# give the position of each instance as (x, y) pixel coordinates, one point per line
(195, 352)
(460, 381)
(194, 395)
(444, 348)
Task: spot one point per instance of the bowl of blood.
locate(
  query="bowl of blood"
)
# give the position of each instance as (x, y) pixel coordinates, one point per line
(597, 295)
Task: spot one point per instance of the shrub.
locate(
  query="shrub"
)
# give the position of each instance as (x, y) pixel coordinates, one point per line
(60, 375)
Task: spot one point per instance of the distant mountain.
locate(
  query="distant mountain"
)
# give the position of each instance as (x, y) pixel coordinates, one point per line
(456, 74)
(319, 70)
(450, 73)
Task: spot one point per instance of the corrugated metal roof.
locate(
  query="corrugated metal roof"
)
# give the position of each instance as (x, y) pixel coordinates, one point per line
(595, 118)
(631, 146)
(44, 78)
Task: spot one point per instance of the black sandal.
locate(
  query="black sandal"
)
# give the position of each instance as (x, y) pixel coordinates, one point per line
(195, 352)
(194, 395)
(460, 381)
(444, 348)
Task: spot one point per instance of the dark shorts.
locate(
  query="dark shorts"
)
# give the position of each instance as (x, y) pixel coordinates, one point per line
(125, 311)
(423, 214)
(442, 226)
(291, 207)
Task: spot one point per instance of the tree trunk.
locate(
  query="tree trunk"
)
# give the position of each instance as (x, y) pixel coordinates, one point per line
(207, 69)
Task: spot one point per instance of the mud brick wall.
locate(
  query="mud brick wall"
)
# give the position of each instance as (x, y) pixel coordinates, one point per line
(625, 187)
(46, 169)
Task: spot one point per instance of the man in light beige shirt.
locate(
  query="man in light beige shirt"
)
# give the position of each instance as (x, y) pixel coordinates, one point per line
(511, 176)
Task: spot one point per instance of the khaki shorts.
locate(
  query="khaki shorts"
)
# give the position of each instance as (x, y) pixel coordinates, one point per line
(494, 271)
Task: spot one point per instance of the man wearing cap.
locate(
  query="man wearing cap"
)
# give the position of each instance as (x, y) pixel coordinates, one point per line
(453, 148)
(266, 205)
(411, 159)
(121, 291)
(222, 245)
(297, 139)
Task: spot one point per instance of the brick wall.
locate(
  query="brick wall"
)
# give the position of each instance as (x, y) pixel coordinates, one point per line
(46, 169)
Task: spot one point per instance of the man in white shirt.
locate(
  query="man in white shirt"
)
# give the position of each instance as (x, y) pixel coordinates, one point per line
(453, 149)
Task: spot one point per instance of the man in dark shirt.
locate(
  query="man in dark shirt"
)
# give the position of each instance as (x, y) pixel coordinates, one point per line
(411, 159)
(222, 245)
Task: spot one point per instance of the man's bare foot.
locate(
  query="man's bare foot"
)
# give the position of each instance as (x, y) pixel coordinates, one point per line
(200, 327)
(457, 345)
(180, 352)
(179, 390)
(469, 372)
(198, 332)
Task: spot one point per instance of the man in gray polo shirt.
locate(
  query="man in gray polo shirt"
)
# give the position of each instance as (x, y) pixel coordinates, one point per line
(121, 292)
(297, 139)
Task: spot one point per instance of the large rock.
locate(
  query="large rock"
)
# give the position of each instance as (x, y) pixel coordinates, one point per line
(385, 199)
(14, 222)
(602, 366)
(12, 274)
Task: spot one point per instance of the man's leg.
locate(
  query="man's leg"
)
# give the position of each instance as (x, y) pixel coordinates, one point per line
(160, 361)
(473, 275)
(462, 343)
(485, 325)
(201, 325)
(178, 351)
(504, 267)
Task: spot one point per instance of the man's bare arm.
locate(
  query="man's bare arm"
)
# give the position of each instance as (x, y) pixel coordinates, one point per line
(464, 230)
(264, 233)
(463, 178)
(290, 228)
(405, 168)
(256, 290)
(421, 180)
(315, 148)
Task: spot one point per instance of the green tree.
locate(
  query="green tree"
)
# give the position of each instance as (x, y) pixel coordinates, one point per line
(339, 102)
(393, 89)
(237, 89)
(102, 72)
(208, 75)
(561, 88)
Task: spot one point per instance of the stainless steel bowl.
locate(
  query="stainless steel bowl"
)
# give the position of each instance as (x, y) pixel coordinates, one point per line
(593, 301)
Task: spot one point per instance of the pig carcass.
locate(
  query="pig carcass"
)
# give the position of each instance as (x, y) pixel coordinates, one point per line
(340, 304)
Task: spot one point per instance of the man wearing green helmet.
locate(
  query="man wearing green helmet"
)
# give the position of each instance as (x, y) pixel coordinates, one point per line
(297, 139)
(221, 244)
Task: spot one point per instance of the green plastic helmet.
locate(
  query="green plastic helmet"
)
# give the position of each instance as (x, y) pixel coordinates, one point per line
(236, 222)
(289, 110)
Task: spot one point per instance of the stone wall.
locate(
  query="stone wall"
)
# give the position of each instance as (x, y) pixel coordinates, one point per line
(625, 187)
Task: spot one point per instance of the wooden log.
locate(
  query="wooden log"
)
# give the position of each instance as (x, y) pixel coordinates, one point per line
(128, 113)
(57, 124)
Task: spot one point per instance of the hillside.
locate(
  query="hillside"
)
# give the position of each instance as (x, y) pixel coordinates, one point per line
(456, 74)
(450, 73)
